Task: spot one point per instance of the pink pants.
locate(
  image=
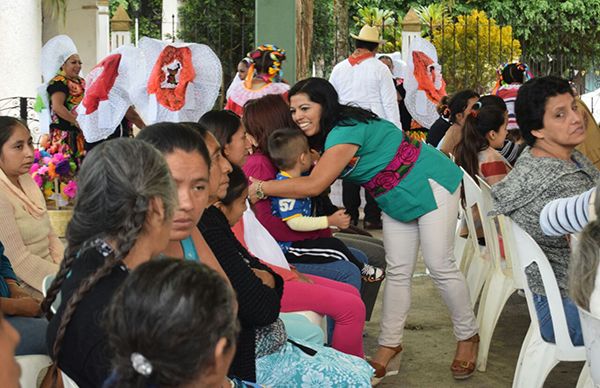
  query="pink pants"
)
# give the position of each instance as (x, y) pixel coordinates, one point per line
(337, 300)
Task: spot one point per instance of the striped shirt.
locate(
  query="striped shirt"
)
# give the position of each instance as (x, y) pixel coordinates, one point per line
(567, 215)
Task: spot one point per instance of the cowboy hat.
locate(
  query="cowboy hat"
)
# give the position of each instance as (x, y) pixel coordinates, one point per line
(368, 34)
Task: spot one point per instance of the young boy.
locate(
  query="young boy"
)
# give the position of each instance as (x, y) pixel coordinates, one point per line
(289, 151)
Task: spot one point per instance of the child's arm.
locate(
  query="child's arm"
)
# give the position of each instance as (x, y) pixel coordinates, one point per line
(302, 223)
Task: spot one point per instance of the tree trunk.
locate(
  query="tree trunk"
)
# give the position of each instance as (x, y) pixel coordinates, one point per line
(304, 35)
(340, 14)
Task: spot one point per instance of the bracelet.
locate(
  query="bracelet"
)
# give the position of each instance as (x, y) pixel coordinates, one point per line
(260, 194)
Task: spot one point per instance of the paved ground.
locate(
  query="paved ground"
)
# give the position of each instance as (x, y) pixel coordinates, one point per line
(429, 344)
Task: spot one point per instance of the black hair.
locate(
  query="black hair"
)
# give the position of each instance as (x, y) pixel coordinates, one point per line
(371, 46)
(221, 123)
(530, 105)
(173, 312)
(7, 128)
(493, 100)
(321, 92)
(459, 102)
(513, 73)
(237, 184)
(116, 183)
(477, 125)
(285, 146)
(168, 137)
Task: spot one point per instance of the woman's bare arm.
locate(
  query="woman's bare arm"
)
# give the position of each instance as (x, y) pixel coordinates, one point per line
(327, 170)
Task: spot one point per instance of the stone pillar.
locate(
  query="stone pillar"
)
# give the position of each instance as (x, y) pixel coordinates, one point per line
(102, 30)
(20, 47)
(411, 28)
(120, 29)
(170, 19)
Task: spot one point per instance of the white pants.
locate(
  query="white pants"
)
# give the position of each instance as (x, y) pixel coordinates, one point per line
(434, 232)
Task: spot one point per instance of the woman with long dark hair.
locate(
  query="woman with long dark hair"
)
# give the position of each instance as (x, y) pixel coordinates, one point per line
(416, 186)
(121, 219)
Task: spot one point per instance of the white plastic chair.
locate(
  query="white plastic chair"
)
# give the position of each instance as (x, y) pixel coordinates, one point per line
(538, 357)
(500, 283)
(317, 319)
(31, 366)
(590, 325)
(46, 283)
(67, 381)
(475, 265)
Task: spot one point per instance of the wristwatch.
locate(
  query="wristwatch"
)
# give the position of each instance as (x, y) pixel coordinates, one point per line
(260, 194)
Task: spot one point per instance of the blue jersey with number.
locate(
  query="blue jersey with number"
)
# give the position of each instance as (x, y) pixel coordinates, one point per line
(288, 208)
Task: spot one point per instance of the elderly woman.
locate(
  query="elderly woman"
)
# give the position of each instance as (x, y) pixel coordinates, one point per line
(29, 241)
(121, 219)
(550, 168)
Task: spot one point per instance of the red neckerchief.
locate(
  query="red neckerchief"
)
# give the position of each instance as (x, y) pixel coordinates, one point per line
(356, 59)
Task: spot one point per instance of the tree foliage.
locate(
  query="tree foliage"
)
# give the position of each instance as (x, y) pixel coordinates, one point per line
(470, 49)
(148, 13)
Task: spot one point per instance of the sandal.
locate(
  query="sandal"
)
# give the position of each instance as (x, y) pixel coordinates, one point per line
(372, 274)
(391, 369)
(462, 369)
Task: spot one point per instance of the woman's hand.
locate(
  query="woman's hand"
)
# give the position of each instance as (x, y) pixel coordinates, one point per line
(252, 189)
(266, 277)
(23, 307)
(17, 292)
(301, 277)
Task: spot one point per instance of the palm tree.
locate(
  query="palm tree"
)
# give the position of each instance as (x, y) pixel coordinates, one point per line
(340, 12)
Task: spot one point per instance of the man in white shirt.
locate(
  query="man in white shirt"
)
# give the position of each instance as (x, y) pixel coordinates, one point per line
(363, 80)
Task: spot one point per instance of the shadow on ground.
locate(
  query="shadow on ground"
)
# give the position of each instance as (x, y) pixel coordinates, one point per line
(429, 344)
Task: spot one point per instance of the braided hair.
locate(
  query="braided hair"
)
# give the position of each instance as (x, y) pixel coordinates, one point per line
(116, 182)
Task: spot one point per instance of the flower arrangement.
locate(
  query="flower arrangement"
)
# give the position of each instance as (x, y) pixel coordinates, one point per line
(55, 176)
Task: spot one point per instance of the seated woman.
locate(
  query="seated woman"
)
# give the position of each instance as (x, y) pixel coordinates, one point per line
(21, 311)
(121, 219)
(459, 107)
(483, 133)
(32, 246)
(172, 323)
(259, 291)
(306, 292)
(9, 341)
(550, 168)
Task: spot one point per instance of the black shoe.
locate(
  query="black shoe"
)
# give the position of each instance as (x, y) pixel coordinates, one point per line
(373, 225)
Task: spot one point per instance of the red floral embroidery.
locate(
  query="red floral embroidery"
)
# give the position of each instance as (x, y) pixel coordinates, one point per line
(404, 160)
(170, 76)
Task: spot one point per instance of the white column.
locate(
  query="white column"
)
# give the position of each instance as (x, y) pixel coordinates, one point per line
(407, 38)
(20, 47)
(119, 38)
(170, 8)
(102, 30)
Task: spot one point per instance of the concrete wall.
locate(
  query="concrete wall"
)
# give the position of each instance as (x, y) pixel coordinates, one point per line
(20, 47)
(276, 24)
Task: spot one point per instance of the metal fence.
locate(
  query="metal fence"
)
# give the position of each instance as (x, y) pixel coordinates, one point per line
(22, 107)
(476, 67)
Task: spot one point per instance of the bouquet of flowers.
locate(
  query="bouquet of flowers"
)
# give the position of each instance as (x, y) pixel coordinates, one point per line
(55, 175)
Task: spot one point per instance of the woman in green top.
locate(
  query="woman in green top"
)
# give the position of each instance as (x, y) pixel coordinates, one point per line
(416, 186)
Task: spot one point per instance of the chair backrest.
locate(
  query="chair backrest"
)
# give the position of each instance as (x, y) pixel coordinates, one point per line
(472, 199)
(490, 230)
(590, 326)
(31, 367)
(529, 252)
(46, 283)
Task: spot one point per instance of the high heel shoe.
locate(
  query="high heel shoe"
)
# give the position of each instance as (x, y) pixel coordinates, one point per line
(463, 369)
(391, 369)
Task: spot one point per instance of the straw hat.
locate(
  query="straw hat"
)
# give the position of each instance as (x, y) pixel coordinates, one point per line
(368, 34)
